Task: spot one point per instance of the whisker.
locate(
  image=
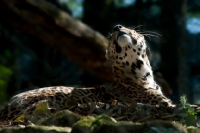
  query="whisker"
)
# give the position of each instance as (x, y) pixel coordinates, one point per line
(151, 32)
(149, 55)
(137, 31)
(151, 35)
(148, 37)
(136, 27)
(148, 47)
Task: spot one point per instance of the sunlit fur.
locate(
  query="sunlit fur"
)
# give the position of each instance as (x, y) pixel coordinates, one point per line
(132, 73)
(128, 42)
(132, 82)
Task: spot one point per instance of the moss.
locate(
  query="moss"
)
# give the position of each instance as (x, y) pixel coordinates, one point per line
(83, 126)
(149, 127)
(119, 127)
(103, 124)
(62, 118)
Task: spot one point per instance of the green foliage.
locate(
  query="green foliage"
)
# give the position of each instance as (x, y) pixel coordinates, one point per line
(186, 105)
(20, 119)
(183, 100)
(189, 112)
(5, 75)
(124, 3)
(42, 109)
(75, 6)
(194, 14)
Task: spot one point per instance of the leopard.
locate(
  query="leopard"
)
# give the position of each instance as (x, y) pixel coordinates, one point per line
(133, 78)
(132, 81)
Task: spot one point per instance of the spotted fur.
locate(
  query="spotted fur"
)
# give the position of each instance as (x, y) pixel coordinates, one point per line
(132, 74)
(133, 81)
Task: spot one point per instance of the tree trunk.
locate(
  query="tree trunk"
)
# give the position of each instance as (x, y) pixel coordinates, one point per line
(173, 47)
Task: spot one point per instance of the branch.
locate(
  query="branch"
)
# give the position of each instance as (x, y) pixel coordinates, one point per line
(81, 44)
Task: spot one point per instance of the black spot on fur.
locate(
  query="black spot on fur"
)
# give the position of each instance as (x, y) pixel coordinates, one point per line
(117, 62)
(120, 58)
(147, 74)
(138, 53)
(125, 54)
(145, 101)
(139, 49)
(12, 109)
(58, 98)
(116, 68)
(134, 40)
(160, 99)
(157, 87)
(127, 63)
(165, 103)
(117, 47)
(139, 101)
(155, 102)
(142, 56)
(139, 63)
(144, 78)
(134, 50)
(133, 67)
(116, 57)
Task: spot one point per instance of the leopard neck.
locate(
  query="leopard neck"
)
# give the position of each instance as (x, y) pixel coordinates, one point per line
(141, 77)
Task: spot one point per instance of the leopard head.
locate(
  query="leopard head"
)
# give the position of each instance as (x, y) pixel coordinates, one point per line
(126, 51)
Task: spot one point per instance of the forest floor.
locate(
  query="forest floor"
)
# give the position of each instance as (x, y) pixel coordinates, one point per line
(143, 118)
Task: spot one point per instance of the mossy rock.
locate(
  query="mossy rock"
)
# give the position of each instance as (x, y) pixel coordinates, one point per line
(105, 126)
(87, 124)
(192, 129)
(148, 127)
(83, 126)
(63, 118)
(36, 129)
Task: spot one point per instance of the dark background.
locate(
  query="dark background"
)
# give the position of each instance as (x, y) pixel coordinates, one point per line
(175, 54)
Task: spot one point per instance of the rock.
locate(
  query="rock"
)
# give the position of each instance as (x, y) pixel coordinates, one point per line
(87, 125)
(62, 121)
(106, 126)
(165, 127)
(83, 126)
(63, 118)
(36, 129)
(192, 129)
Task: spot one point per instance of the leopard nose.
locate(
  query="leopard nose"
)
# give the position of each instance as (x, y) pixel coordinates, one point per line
(117, 28)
